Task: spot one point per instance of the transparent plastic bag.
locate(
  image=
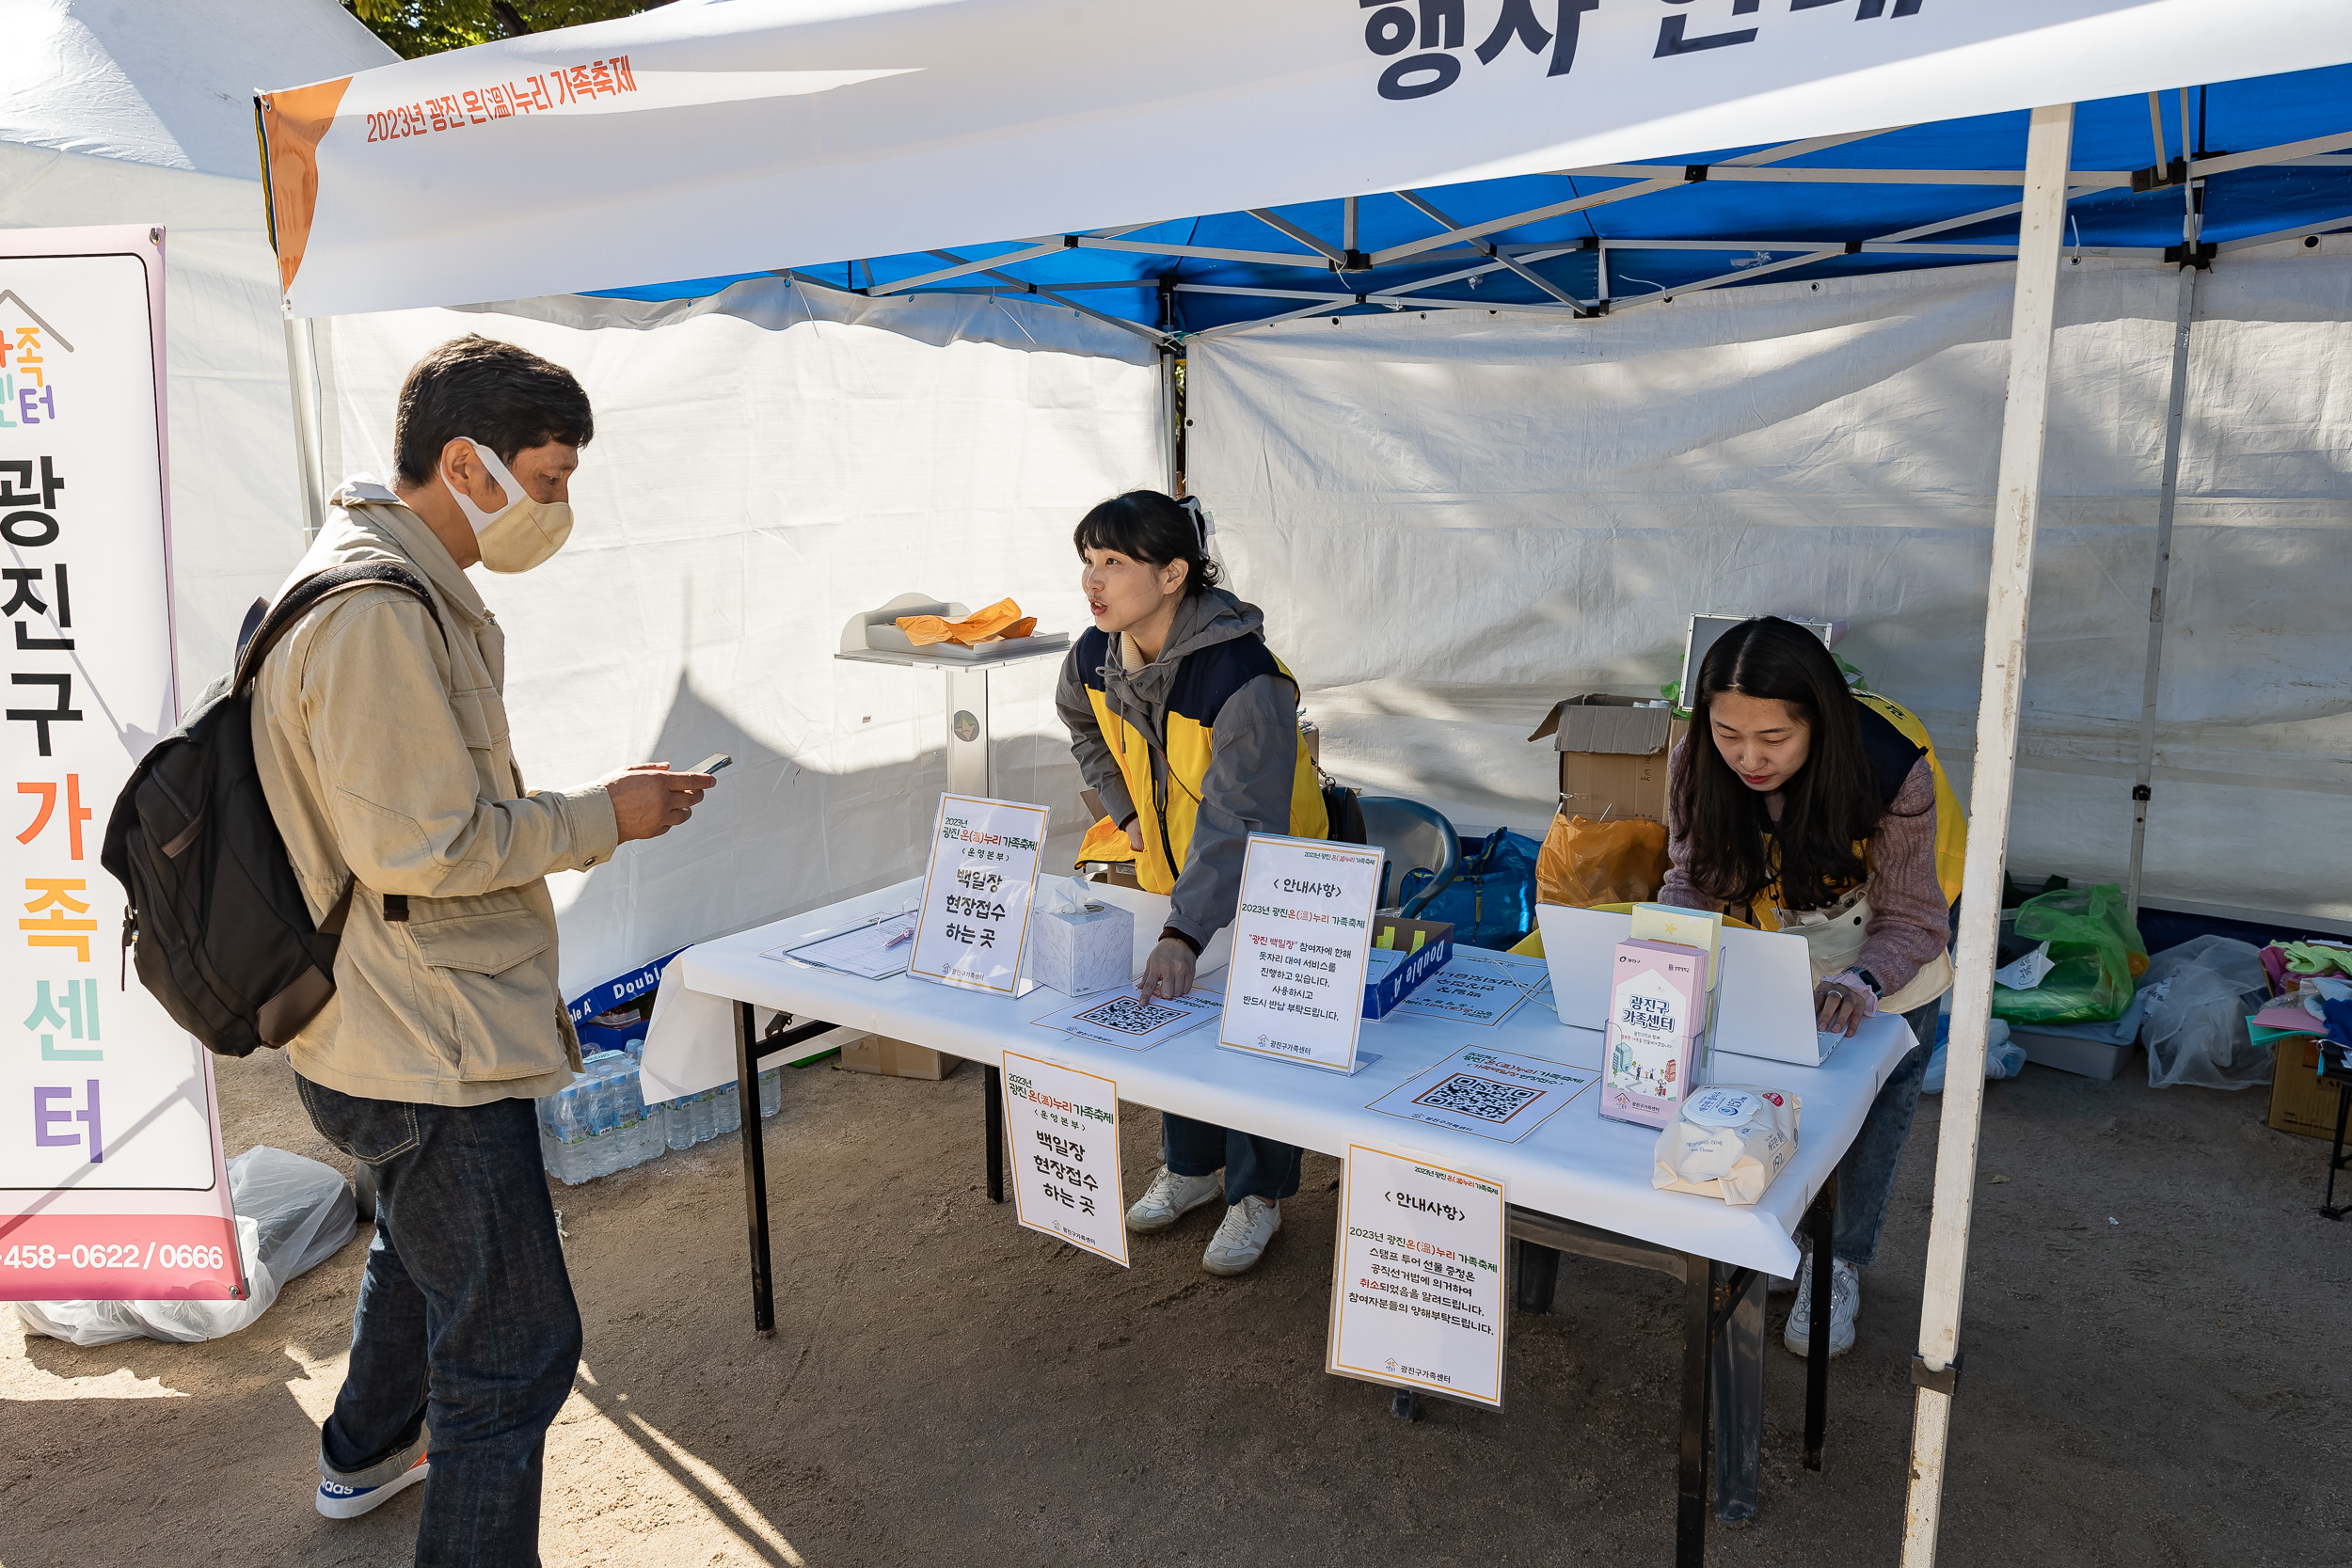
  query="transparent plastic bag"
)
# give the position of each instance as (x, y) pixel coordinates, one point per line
(293, 1214)
(2095, 951)
(2198, 996)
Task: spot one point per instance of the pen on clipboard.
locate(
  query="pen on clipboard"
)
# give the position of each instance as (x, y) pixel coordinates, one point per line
(907, 935)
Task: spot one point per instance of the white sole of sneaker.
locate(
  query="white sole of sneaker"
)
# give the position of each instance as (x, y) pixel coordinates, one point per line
(1152, 1227)
(352, 1507)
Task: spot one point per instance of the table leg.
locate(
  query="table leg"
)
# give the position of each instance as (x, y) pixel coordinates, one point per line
(754, 1139)
(1539, 1276)
(1824, 1224)
(992, 1090)
(2328, 1206)
(1737, 1363)
(1698, 1293)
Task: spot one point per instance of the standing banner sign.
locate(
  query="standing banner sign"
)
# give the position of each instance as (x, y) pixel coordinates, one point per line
(112, 1184)
(1417, 1291)
(1301, 941)
(1064, 1127)
(974, 920)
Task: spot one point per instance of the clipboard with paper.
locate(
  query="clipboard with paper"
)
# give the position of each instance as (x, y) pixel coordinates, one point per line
(874, 949)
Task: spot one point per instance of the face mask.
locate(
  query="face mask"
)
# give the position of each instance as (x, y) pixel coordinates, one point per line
(520, 535)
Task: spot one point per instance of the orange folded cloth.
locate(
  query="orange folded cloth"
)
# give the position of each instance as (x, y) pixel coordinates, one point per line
(1106, 840)
(1001, 619)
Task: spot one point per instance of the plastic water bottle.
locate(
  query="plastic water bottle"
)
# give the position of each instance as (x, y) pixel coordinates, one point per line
(677, 1122)
(645, 1140)
(730, 1108)
(705, 1115)
(771, 1091)
(563, 1136)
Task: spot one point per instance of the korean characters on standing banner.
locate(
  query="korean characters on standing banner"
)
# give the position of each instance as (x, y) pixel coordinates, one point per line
(977, 892)
(111, 1181)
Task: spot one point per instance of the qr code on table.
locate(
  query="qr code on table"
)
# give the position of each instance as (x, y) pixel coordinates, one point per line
(1132, 1015)
(1473, 1096)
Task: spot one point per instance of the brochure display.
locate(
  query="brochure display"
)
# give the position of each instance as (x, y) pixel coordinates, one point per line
(112, 1185)
(1417, 1288)
(1063, 1126)
(1301, 945)
(1500, 1095)
(973, 918)
(1133, 1022)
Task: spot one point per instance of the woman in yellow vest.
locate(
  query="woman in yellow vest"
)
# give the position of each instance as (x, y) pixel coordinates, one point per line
(1800, 805)
(1187, 726)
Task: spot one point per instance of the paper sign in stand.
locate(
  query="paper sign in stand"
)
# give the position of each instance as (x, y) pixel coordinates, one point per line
(1063, 1126)
(977, 891)
(1302, 940)
(1417, 1288)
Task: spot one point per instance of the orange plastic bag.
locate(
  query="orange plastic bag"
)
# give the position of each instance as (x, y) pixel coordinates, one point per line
(1001, 619)
(1584, 863)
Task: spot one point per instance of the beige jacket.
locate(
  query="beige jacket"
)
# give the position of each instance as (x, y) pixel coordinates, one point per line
(384, 755)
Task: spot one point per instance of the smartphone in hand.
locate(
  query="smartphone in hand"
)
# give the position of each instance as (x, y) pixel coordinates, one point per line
(712, 763)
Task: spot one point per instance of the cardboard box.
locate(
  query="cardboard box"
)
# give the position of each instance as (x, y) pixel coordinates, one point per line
(1612, 755)
(1425, 947)
(2301, 1101)
(880, 1053)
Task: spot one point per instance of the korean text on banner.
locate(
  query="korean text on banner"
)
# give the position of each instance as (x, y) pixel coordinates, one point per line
(1301, 941)
(112, 1185)
(974, 920)
(1417, 1289)
(1064, 1127)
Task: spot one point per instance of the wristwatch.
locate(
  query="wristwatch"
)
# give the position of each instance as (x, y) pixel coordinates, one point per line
(1872, 981)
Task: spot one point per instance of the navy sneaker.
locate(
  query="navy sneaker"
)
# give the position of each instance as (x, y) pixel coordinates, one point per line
(338, 1501)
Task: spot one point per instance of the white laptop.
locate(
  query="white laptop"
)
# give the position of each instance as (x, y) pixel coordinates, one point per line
(1765, 1007)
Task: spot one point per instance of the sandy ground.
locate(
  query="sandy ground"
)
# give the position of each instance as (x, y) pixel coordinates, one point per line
(2149, 1376)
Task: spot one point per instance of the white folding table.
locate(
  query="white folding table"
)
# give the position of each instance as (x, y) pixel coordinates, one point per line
(1578, 1184)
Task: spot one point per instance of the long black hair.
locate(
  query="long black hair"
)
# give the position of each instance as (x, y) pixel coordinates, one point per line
(1828, 806)
(1147, 525)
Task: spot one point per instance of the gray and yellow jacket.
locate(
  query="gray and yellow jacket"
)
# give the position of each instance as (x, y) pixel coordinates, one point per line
(384, 754)
(1200, 747)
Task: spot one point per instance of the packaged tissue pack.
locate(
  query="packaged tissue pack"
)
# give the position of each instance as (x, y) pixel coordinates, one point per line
(1728, 1142)
(1657, 1030)
(1078, 946)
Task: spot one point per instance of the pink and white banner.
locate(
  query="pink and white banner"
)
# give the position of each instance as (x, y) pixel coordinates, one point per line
(112, 1184)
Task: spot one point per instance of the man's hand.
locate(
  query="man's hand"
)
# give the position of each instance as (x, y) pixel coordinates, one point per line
(1835, 1010)
(1134, 833)
(1168, 971)
(648, 799)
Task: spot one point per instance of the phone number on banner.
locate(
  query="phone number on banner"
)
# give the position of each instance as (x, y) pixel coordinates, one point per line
(117, 1258)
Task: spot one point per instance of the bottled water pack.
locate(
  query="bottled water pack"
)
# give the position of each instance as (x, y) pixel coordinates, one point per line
(599, 1123)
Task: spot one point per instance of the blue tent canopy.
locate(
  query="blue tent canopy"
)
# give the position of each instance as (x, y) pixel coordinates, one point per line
(1922, 196)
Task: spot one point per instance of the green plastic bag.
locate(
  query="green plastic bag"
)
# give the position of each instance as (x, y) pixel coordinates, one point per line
(2093, 944)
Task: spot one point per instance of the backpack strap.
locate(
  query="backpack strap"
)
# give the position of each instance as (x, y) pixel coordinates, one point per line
(298, 601)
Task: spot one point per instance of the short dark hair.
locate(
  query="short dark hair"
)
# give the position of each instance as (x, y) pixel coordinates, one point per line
(1154, 528)
(482, 389)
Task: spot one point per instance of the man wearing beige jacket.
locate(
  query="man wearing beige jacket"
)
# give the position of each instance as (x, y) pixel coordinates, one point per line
(380, 732)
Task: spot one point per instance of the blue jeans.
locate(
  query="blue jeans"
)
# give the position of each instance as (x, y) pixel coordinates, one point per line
(1866, 1177)
(466, 1326)
(1254, 1168)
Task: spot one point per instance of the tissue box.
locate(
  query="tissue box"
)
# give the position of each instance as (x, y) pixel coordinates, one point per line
(1083, 950)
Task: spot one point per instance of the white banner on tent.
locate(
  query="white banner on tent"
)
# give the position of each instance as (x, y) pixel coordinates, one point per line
(703, 137)
(112, 1185)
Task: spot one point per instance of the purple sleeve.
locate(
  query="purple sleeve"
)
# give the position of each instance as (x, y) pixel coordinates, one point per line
(1910, 923)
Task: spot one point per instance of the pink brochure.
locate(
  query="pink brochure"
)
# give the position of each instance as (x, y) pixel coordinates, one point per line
(1656, 1024)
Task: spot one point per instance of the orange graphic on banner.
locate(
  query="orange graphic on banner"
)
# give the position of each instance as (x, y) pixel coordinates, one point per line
(292, 123)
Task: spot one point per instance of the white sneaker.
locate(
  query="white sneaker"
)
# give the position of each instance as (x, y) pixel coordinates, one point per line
(1169, 1198)
(1780, 1284)
(1241, 1240)
(1844, 1303)
(338, 1501)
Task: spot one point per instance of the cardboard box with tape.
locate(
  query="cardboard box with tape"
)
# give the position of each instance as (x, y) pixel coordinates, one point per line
(1612, 755)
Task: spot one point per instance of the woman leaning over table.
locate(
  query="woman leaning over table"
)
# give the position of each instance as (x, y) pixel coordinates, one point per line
(1800, 805)
(1187, 726)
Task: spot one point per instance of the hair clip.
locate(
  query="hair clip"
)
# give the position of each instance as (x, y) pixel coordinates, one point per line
(1202, 524)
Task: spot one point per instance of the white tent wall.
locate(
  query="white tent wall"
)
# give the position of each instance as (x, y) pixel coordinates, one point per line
(140, 114)
(767, 463)
(1455, 518)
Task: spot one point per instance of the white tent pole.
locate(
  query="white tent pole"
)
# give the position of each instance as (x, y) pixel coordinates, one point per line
(302, 382)
(2167, 492)
(2017, 505)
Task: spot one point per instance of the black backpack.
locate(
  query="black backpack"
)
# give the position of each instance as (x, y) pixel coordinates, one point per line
(217, 922)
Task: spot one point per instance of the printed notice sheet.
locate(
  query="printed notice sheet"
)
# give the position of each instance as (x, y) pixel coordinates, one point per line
(1063, 1126)
(1494, 1094)
(1417, 1290)
(1482, 990)
(1133, 1022)
(974, 919)
(1294, 987)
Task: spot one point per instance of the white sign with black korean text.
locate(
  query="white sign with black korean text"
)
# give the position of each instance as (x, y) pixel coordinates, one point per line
(1417, 1288)
(1483, 990)
(1500, 1095)
(974, 919)
(1294, 989)
(1064, 1128)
